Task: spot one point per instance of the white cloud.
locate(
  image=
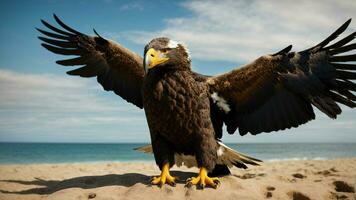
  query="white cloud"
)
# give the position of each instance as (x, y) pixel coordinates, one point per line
(240, 31)
(131, 6)
(35, 104)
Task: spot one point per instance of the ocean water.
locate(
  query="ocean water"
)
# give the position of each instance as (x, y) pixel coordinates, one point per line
(26, 153)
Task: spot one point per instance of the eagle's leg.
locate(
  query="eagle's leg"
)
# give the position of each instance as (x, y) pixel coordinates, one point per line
(206, 156)
(164, 157)
(165, 177)
(203, 179)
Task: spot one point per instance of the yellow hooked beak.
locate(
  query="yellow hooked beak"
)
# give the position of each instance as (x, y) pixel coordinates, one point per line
(154, 58)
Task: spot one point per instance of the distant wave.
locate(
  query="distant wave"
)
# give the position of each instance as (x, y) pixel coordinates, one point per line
(296, 159)
(26, 153)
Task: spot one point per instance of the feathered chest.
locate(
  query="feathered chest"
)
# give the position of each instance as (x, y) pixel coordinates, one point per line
(173, 97)
(169, 91)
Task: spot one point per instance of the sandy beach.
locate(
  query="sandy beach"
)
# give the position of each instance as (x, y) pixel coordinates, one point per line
(299, 180)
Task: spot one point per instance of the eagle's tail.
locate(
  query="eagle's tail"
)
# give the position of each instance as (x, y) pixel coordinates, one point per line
(226, 156)
(231, 157)
(145, 149)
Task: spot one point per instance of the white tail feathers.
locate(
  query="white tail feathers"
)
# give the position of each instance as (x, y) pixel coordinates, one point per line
(226, 156)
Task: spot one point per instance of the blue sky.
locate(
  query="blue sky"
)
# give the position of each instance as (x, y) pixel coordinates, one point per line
(40, 103)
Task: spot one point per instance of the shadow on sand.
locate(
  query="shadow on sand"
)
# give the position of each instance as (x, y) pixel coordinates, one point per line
(89, 182)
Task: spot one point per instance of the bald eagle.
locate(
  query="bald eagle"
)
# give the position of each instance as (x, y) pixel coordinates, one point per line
(186, 110)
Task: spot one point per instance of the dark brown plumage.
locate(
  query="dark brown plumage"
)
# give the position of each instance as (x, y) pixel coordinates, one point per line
(117, 69)
(186, 110)
(177, 111)
(276, 92)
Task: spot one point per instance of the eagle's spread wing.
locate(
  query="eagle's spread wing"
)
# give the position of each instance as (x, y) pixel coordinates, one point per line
(117, 69)
(276, 92)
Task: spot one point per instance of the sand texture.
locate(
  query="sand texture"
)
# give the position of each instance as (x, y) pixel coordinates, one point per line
(299, 180)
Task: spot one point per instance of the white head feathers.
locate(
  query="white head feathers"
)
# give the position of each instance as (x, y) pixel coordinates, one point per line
(174, 44)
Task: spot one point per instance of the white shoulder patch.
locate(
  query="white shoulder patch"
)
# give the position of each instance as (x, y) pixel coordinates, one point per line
(220, 102)
(220, 151)
(172, 44)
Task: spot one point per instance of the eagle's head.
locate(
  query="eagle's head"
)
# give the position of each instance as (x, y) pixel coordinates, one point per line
(163, 53)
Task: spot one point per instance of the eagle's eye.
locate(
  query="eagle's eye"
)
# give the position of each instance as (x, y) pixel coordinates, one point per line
(164, 50)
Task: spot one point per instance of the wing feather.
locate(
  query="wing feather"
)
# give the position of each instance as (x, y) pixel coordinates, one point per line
(62, 51)
(117, 69)
(333, 36)
(56, 29)
(65, 26)
(343, 41)
(343, 58)
(276, 92)
(52, 35)
(344, 66)
(73, 61)
(58, 43)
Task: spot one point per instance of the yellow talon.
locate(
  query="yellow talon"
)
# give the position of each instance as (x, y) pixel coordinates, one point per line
(165, 177)
(203, 179)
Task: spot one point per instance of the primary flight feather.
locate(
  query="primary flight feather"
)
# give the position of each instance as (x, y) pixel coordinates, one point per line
(186, 110)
